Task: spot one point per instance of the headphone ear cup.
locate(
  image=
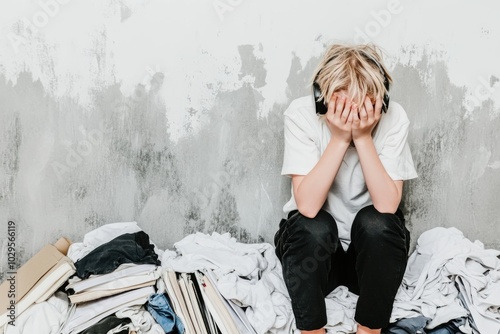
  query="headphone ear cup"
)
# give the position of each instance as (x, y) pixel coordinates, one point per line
(387, 86)
(385, 105)
(321, 108)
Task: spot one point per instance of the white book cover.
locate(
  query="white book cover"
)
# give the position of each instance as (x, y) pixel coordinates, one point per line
(124, 270)
(179, 305)
(197, 307)
(215, 303)
(212, 325)
(87, 295)
(189, 304)
(236, 312)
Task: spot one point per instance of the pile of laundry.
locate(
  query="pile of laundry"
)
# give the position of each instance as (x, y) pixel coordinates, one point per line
(117, 281)
(452, 281)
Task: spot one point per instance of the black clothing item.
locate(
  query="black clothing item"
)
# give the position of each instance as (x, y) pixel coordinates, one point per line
(106, 324)
(126, 248)
(314, 264)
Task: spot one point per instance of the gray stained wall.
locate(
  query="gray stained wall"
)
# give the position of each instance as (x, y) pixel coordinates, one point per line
(69, 167)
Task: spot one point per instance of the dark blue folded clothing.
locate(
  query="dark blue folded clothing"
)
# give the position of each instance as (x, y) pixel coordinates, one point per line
(407, 326)
(451, 327)
(417, 325)
(126, 248)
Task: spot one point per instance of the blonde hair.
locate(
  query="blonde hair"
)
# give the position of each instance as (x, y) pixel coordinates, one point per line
(351, 68)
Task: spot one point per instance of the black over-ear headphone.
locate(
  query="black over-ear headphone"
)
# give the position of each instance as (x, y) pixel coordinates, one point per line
(322, 108)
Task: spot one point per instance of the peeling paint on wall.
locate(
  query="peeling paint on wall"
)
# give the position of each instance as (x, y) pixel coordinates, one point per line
(452, 154)
(83, 149)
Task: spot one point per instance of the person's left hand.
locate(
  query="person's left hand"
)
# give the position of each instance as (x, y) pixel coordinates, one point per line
(365, 120)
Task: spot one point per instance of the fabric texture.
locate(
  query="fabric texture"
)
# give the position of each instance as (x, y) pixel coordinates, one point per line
(417, 325)
(142, 322)
(99, 236)
(414, 325)
(160, 309)
(46, 317)
(126, 248)
(107, 324)
(306, 138)
(450, 277)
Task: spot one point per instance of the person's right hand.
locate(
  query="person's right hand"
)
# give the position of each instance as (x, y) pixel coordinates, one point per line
(339, 117)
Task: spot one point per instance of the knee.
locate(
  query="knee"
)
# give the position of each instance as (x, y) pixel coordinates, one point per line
(374, 225)
(320, 230)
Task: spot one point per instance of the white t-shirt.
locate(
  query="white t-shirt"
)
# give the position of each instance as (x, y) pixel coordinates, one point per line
(306, 138)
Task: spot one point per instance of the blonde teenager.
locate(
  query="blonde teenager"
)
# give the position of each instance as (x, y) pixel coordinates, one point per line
(347, 168)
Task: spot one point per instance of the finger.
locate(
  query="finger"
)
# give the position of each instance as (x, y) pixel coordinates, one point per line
(347, 110)
(363, 115)
(331, 104)
(378, 106)
(368, 106)
(355, 114)
(351, 117)
(340, 106)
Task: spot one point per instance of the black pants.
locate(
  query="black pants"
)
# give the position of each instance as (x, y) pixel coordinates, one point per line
(314, 264)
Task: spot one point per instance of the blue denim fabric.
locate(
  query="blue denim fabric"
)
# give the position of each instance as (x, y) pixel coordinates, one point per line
(451, 327)
(161, 311)
(417, 325)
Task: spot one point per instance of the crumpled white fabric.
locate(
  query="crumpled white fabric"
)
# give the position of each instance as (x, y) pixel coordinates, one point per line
(442, 258)
(249, 274)
(102, 235)
(46, 317)
(142, 321)
(340, 309)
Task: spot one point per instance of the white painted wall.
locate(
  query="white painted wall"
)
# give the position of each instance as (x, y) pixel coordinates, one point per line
(211, 75)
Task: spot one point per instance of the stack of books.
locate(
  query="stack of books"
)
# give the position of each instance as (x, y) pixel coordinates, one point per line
(201, 307)
(104, 286)
(84, 315)
(126, 277)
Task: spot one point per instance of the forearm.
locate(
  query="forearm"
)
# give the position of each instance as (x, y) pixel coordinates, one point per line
(383, 191)
(311, 193)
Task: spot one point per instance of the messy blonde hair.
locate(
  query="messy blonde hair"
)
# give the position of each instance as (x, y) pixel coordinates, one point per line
(351, 68)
